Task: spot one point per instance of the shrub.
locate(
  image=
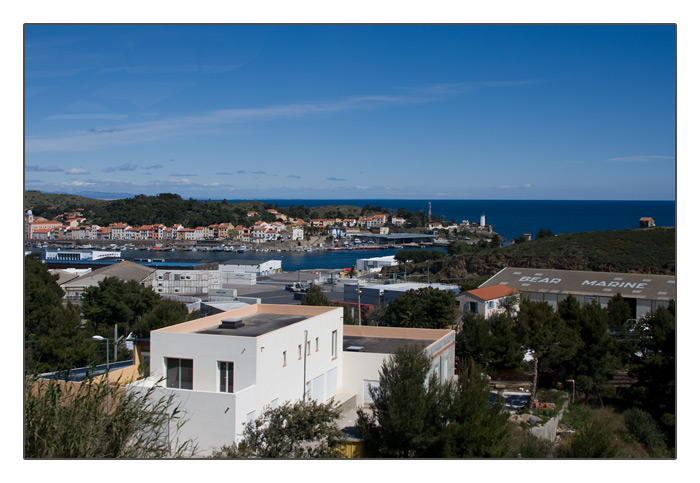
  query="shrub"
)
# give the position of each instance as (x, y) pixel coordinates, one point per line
(66, 420)
(645, 429)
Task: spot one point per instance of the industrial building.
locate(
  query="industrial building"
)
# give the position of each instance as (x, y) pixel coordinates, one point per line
(381, 295)
(376, 263)
(225, 369)
(642, 292)
(395, 238)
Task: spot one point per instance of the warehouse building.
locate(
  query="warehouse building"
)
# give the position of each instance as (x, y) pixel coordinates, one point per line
(642, 292)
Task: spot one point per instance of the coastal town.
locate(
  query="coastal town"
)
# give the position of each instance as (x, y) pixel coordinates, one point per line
(285, 232)
(443, 242)
(332, 330)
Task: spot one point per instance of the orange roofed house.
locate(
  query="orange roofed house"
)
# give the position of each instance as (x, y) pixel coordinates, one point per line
(486, 301)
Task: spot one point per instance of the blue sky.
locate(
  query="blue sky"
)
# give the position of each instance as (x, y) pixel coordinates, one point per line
(354, 111)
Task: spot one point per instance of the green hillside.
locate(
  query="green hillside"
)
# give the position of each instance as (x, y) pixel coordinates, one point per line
(651, 251)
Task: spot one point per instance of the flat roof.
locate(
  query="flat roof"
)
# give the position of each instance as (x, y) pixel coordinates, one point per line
(380, 345)
(578, 282)
(406, 286)
(255, 325)
(258, 319)
(249, 262)
(393, 236)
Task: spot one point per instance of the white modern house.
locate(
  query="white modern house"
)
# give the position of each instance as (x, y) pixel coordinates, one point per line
(226, 369)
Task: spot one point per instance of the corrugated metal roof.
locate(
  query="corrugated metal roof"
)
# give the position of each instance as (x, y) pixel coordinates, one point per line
(123, 270)
(577, 282)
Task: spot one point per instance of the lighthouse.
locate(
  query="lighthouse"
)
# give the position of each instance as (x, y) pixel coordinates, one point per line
(483, 220)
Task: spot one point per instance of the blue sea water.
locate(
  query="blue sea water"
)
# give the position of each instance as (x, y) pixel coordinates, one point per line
(512, 218)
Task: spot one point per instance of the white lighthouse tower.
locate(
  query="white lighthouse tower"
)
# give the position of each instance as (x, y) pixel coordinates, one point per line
(483, 220)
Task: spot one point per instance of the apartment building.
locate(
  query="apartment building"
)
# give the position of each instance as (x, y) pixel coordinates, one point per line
(226, 369)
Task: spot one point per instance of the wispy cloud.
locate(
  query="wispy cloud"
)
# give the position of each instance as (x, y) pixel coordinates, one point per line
(123, 167)
(243, 171)
(35, 167)
(78, 171)
(223, 173)
(86, 117)
(294, 176)
(641, 159)
(183, 175)
(205, 122)
(333, 178)
(101, 131)
(508, 187)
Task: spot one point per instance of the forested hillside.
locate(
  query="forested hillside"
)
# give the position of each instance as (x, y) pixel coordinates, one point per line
(169, 209)
(650, 251)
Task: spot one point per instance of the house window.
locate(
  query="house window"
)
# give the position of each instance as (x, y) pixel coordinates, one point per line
(284, 359)
(225, 376)
(179, 373)
(316, 344)
(334, 344)
(299, 351)
(308, 348)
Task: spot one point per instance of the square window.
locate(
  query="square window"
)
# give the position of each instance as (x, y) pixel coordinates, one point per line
(179, 373)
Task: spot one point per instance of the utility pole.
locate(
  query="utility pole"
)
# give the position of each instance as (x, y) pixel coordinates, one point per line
(359, 306)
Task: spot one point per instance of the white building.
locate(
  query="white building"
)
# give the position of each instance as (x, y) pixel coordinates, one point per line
(225, 369)
(486, 301)
(260, 268)
(297, 233)
(376, 263)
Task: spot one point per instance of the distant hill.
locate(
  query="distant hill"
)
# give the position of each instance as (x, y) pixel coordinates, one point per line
(168, 209)
(42, 202)
(650, 250)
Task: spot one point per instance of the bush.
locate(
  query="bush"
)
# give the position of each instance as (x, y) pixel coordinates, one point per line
(596, 440)
(67, 420)
(645, 429)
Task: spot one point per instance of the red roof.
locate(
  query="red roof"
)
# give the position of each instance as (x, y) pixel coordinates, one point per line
(493, 292)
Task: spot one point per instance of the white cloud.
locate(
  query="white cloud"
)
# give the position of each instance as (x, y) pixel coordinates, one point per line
(78, 171)
(140, 132)
(641, 159)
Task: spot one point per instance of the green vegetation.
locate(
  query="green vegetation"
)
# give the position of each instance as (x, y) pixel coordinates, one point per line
(53, 338)
(300, 430)
(50, 205)
(419, 256)
(56, 338)
(493, 343)
(427, 308)
(629, 251)
(67, 420)
(315, 296)
(416, 416)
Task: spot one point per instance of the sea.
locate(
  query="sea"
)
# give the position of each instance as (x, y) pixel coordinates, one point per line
(509, 218)
(512, 218)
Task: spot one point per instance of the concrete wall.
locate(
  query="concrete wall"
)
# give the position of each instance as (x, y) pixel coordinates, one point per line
(261, 376)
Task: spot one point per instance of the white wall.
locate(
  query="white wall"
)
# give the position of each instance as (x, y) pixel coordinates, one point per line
(260, 376)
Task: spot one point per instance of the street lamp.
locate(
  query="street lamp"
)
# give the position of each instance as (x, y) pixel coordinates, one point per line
(105, 339)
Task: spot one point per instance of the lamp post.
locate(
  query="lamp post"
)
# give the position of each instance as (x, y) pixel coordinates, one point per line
(105, 339)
